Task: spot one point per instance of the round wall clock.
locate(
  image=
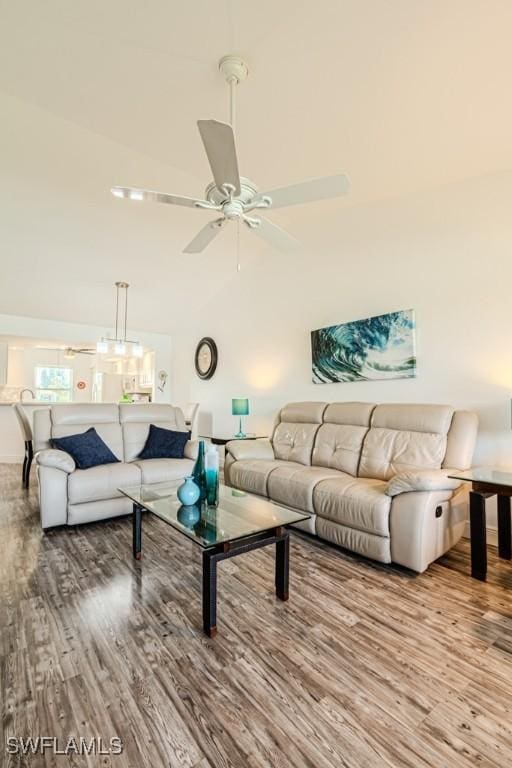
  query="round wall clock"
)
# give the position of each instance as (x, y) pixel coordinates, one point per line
(206, 358)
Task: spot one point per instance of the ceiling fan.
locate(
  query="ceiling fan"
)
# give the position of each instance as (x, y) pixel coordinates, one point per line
(232, 195)
(70, 352)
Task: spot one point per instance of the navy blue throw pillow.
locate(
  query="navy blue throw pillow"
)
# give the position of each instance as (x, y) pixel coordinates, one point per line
(87, 449)
(164, 444)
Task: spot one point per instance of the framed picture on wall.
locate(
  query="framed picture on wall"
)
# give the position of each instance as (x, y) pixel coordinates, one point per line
(380, 347)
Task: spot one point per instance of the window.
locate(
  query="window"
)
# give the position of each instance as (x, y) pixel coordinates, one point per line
(54, 385)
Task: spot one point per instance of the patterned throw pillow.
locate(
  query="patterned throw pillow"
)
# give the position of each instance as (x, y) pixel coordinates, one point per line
(87, 449)
(164, 444)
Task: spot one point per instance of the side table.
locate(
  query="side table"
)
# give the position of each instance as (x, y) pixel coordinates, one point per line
(223, 440)
(487, 482)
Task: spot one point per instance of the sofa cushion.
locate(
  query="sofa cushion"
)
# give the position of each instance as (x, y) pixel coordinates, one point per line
(294, 434)
(162, 470)
(251, 475)
(461, 440)
(350, 414)
(309, 412)
(70, 419)
(340, 438)
(412, 417)
(164, 444)
(366, 544)
(91, 511)
(136, 420)
(100, 483)
(293, 486)
(404, 437)
(87, 449)
(339, 447)
(356, 502)
(294, 442)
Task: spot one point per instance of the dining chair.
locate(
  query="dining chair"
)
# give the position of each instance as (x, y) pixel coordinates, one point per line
(191, 413)
(26, 432)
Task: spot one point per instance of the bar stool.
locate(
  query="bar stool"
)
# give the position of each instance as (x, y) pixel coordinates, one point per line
(26, 431)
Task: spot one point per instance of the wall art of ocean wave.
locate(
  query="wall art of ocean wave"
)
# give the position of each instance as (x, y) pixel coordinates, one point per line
(380, 347)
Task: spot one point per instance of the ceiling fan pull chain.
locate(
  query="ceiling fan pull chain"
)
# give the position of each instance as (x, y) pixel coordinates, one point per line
(125, 311)
(117, 308)
(238, 266)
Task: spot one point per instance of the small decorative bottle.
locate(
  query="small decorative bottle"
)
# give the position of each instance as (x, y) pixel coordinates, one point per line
(188, 492)
(212, 476)
(199, 474)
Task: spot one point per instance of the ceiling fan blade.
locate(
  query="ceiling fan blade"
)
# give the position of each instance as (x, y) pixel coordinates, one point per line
(205, 236)
(133, 193)
(309, 191)
(273, 234)
(219, 143)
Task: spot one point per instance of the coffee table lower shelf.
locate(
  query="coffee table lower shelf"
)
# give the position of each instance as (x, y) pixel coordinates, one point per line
(215, 554)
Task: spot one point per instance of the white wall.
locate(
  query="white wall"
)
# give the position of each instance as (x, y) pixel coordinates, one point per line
(446, 253)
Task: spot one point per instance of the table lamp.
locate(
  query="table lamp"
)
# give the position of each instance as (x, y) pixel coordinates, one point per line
(240, 407)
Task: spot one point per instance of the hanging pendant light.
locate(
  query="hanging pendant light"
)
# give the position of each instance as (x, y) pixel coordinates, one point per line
(119, 341)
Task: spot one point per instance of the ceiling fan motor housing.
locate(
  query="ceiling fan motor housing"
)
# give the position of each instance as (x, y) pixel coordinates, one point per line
(233, 68)
(233, 207)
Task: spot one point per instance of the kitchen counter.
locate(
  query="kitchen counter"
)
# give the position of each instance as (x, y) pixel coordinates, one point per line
(25, 402)
(44, 404)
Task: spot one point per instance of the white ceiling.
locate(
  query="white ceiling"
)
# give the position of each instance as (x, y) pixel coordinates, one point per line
(401, 94)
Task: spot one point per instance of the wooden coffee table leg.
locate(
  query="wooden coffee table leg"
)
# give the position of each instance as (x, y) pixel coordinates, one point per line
(137, 531)
(504, 532)
(478, 535)
(209, 594)
(283, 566)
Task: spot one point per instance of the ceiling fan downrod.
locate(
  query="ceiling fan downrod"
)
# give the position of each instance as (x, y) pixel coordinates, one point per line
(234, 70)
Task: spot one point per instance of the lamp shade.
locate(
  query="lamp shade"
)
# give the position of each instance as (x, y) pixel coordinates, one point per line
(240, 406)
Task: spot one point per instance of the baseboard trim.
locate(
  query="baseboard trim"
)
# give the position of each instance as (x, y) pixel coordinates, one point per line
(492, 535)
(11, 459)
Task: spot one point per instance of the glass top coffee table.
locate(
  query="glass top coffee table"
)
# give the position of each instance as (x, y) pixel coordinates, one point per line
(241, 522)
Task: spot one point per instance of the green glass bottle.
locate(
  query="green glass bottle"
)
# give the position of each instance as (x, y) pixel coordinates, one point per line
(199, 473)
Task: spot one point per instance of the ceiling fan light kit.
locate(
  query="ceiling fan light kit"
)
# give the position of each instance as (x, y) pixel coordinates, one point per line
(232, 195)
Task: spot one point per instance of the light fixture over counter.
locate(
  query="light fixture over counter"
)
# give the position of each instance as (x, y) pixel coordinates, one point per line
(119, 344)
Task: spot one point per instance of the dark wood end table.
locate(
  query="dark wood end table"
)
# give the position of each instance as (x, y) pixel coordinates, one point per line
(222, 440)
(487, 482)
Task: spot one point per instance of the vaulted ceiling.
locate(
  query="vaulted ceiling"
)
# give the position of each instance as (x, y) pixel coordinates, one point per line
(403, 95)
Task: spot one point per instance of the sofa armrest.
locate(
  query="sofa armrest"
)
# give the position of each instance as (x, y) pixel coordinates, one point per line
(250, 449)
(51, 457)
(422, 480)
(191, 449)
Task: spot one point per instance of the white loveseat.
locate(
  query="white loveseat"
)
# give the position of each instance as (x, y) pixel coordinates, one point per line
(373, 477)
(68, 495)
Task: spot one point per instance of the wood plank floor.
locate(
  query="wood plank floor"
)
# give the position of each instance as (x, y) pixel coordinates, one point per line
(366, 666)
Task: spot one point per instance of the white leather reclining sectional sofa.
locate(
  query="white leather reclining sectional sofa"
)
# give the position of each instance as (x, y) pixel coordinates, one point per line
(68, 495)
(373, 477)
